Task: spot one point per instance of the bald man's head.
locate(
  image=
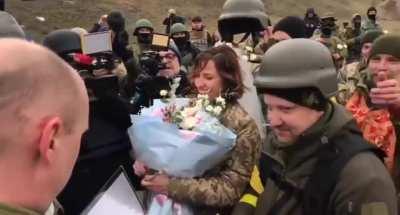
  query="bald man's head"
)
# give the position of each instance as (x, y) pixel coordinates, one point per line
(34, 83)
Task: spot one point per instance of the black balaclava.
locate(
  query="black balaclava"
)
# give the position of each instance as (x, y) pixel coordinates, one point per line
(145, 38)
(181, 41)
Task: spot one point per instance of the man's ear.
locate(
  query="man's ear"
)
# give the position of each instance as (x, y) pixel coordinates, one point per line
(50, 131)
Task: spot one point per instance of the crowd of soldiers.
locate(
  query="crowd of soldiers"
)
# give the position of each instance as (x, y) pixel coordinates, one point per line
(325, 100)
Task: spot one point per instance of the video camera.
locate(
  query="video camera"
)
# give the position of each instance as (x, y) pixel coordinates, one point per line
(150, 61)
(97, 56)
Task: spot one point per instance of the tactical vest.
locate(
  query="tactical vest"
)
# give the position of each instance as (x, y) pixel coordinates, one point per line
(199, 39)
(332, 158)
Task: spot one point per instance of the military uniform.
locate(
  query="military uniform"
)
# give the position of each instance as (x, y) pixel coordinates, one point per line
(201, 39)
(222, 186)
(363, 180)
(353, 44)
(351, 74)
(361, 186)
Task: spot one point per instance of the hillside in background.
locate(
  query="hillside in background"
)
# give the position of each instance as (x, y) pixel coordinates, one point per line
(72, 13)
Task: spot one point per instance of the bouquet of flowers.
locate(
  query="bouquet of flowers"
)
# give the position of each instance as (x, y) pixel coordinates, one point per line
(180, 137)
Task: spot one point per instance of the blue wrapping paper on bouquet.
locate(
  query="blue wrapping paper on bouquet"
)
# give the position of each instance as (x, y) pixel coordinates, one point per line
(181, 153)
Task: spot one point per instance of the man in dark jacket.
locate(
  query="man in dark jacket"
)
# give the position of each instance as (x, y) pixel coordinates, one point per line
(312, 22)
(315, 160)
(172, 19)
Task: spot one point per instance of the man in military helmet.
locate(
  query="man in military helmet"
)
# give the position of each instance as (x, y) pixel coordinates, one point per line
(144, 35)
(181, 37)
(370, 22)
(315, 161)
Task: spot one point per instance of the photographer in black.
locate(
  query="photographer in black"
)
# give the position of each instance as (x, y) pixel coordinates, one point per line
(119, 36)
(158, 71)
(105, 146)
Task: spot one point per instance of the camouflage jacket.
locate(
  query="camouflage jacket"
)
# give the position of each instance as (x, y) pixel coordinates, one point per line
(222, 186)
(352, 76)
(335, 45)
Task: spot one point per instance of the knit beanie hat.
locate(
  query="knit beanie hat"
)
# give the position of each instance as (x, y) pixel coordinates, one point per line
(292, 25)
(387, 44)
(9, 26)
(172, 46)
(307, 97)
(371, 36)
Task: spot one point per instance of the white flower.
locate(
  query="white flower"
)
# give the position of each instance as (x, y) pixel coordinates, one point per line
(163, 93)
(340, 46)
(189, 123)
(220, 100)
(209, 108)
(217, 110)
(199, 104)
(345, 46)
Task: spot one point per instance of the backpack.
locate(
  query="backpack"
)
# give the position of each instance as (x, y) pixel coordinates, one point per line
(332, 158)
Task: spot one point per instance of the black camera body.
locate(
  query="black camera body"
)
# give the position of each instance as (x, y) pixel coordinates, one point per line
(151, 62)
(107, 83)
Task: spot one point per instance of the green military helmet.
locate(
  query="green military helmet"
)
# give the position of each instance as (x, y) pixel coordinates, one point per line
(241, 16)
(298, 63)
(178, 28)
(143, 23)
